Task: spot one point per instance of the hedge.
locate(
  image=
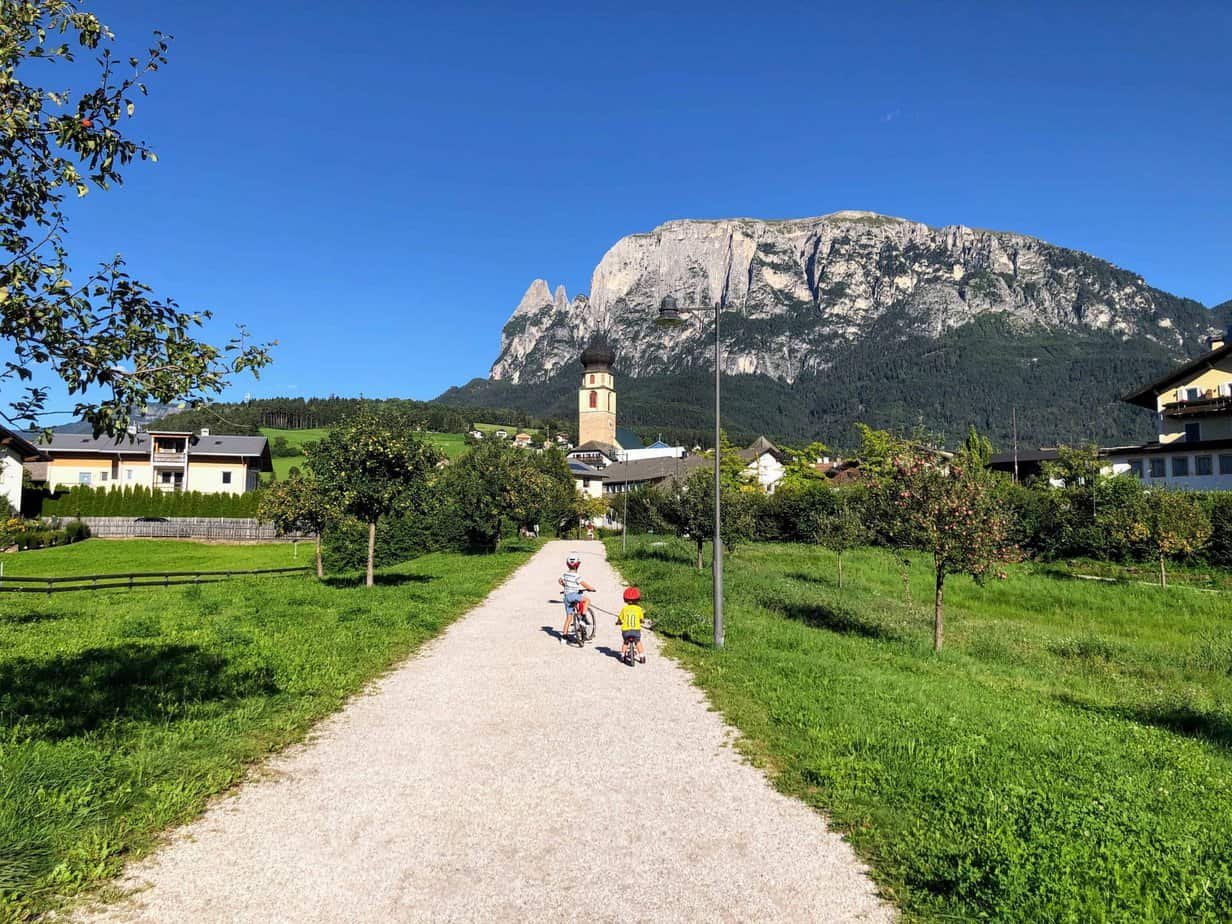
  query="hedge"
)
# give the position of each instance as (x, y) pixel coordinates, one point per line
(138, 501)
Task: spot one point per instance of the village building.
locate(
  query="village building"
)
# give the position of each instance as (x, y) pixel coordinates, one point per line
(15, 452)
(589, 480)
(765, 464)
(1192, 408)
(161, 460)
(629, 476)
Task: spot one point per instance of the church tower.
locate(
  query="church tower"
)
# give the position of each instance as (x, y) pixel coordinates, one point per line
(597, 396)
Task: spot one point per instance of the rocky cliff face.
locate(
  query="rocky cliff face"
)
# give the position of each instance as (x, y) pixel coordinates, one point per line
(792, 292)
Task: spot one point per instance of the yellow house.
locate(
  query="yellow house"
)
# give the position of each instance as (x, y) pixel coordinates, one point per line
(1192, 406)
(161, 460)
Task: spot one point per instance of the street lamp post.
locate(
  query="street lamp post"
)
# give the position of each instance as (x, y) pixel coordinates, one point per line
(670, 315)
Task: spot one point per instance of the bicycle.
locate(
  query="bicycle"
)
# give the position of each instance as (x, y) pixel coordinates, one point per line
(582, 629)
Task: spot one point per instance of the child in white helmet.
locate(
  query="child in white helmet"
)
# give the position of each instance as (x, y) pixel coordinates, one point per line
(573, 586)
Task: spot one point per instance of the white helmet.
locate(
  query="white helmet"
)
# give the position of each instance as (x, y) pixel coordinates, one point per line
(573, 560)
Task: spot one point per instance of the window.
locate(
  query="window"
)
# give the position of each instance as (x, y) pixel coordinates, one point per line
(1202, 465)
(128, 474)
(1157, 468)
(592, 379)
(226, 477)
(1135, 467)
(84, 477)
(1225, 464)
(594, 399)
(611, 400)
(1193, 432)
(102, 476)
(1180, 466)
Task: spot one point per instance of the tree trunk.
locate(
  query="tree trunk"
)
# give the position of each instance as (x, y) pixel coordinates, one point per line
(937, 628)
(371, 552)
(840, 570)
(700, 563)
(320, 568)
(1163, 575)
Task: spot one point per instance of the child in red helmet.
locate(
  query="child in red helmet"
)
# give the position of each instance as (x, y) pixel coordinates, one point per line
(630, 620)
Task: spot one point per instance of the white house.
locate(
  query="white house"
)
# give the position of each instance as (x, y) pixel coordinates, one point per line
(15, 450)
(764, 463)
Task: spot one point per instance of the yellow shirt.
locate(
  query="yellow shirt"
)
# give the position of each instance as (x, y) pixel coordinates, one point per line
(631, 617)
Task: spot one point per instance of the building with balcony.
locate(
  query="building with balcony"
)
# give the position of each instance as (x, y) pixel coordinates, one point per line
(160, 460)
(1192, 408)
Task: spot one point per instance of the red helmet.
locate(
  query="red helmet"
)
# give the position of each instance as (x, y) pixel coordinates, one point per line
(632, 595)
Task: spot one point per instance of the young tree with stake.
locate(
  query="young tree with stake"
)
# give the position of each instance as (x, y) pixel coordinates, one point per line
(951, 510)
(299, 505)
(1175, 525)
(373, 464)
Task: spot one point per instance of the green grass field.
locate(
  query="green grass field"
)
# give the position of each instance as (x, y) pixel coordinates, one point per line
(452, 444)
(122, 712)
(1066, 758)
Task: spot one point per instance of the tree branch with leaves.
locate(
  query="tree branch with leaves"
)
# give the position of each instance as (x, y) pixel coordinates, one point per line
(106, 337)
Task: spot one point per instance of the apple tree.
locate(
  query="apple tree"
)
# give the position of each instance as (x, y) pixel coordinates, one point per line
(109, 340)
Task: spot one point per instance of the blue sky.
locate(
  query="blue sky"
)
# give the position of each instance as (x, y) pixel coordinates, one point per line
(375, 183)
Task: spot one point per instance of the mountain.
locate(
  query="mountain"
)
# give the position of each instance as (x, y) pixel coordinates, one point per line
(857, 316)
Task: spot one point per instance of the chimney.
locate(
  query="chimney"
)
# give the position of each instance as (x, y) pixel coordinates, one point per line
(205, 431)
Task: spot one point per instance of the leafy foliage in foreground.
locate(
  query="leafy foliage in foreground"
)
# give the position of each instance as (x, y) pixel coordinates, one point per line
(109, 340)
(122, 713)
(1067, 758)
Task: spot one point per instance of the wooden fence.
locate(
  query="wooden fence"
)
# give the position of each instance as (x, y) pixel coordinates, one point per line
(227, 529)
(130, 580)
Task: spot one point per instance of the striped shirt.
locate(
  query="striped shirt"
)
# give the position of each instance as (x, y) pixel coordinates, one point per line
(572, 582)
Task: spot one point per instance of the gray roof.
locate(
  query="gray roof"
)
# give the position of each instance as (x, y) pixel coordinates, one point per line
(198, 446)
(582, 470)
(20, 445)
(644, 470)
(758, 448)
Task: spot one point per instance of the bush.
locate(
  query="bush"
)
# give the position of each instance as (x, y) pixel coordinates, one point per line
(34, 536)
(430, 527)
(1218, 507)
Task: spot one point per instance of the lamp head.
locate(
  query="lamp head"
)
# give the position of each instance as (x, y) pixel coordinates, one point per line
(669, 313)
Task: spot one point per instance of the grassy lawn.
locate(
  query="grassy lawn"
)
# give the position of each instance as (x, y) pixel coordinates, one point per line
(122, 712)
(1067, 758)
(452, 444)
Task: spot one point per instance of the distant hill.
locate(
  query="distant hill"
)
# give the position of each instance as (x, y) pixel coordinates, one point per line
(855, 317)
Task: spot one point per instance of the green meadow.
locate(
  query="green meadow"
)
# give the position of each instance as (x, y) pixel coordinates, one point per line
(122, 712)
(1066, 758)
(452, 444)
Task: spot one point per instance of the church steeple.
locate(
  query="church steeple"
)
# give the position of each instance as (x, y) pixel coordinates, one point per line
(597, 395)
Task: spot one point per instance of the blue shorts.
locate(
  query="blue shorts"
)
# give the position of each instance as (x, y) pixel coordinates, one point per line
(572, 600)
(631, 635)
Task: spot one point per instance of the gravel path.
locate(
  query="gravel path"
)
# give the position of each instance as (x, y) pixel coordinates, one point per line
(502, 775)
